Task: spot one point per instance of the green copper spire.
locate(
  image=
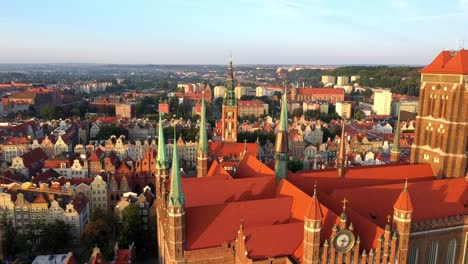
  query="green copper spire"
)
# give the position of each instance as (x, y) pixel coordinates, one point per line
(203, 140)
(283, 125)
(176, 194)
(161, 162)
(282, 141)
(230, 97)
(396, 139)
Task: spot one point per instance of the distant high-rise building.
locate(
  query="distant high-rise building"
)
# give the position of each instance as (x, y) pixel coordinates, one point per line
(382, 102)
(343, 109)
(342, 80)
(328, 80)
(442, 120)
(219, 91)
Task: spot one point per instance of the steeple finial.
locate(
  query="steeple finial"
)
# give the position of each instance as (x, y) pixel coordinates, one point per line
(341, 159)
(203, 140)
(315, 190)
(406, 185)
(161, 162)
(176, 194)
(395, 153)
(344, 202)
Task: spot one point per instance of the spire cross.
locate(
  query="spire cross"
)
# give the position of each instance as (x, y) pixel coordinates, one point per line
(345, 201)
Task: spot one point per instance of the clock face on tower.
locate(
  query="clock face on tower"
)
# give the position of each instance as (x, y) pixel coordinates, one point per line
(230, 114)
(343, 241)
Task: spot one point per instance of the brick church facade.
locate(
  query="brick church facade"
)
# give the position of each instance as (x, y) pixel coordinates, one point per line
(238, 210)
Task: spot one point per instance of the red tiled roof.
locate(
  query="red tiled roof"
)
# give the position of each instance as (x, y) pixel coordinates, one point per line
(123, 256)
(213, 225)
(449, 63)
(40, 199)
(403, 203)
(34, 160)
(252, 167)
(448, 196)
(226, 149)
(217, 171)
(274, 240)
(319, 91)
(328, 180)
(249, 103)
(200, 191)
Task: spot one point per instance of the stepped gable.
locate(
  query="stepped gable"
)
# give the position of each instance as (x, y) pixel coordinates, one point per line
(201, 192)
(252, 167)
(328, 180)
(213, 225)
(449, 196)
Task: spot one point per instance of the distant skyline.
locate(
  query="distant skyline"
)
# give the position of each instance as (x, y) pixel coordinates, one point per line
(306, 32)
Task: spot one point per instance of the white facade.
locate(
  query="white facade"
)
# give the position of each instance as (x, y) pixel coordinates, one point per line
(328, 80)
(342, 80)
(218, 91)
(343, 109)
(98, 194)
(382, 102)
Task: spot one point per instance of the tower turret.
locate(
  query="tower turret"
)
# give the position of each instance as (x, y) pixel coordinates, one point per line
(312, 229)
(282, 141)
(229, 111)
(402, 211)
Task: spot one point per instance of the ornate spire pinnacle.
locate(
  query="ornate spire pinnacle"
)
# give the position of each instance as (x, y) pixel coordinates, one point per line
(283, 126)
(176, 194)
(161, 160)
(281, 143)
(230, 96)
(405, 189)
(203, 140)
(344, 202)
(395, 153)
(341, 159)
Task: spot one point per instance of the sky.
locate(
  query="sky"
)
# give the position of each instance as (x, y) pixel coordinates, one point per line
(312, 32)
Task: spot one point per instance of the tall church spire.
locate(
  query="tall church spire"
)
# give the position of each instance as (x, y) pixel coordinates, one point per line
(202, 151)
(230, 97)
(395, 153)
(176, 194)
(161, 161)
(341, 159)
(282, 141)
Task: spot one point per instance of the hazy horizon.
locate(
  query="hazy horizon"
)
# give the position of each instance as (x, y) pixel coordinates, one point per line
(257, 32)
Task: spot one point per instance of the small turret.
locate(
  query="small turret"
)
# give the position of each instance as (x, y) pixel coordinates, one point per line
(395, 153)
(281, 144)
(202, 150)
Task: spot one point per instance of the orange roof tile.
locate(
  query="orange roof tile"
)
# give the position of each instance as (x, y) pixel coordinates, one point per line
(449, 63)
(262, 241)
(217, 171)
(200, 191)
(327, 180)
(403, 203)
(227, 149)
(40, 199)
(213, 225)
(448, 197)
(252, 167)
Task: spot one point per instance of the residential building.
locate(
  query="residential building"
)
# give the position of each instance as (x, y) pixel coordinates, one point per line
(124, 110)
(382, 102)
(330, 95)
(219, 91)
(29, 163)
(250, 107)
(343, 109)
(342, 80)
(98, 197)
(328, 80)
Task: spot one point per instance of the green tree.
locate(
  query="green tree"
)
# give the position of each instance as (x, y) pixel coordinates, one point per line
(132, 227)
(106, 131)
(298, 112)
(9, 234)
(47, 112)
(295, 165)
(55, 237)
(359, 115)
(100, 231)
